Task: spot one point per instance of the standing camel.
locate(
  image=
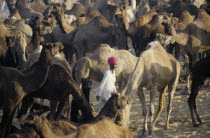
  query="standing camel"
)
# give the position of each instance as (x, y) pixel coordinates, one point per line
(15, 85)
(156, 70)
(200, 72)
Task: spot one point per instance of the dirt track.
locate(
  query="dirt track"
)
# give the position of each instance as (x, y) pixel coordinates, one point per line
(180, 120)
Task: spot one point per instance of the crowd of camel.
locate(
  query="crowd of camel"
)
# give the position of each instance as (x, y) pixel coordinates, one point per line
(54, 50)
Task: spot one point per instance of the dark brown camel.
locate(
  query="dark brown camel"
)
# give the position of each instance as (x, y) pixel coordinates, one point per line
(15, 85)
(200, 71)
(143, 34)
(63, 128)
(86, 87)
(58, 86)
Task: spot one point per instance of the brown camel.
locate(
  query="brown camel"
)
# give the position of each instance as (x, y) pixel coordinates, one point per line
(16, 85)
(96, 64)
(178, 7)
(83, 43)
(156, 70)
(62, 87)
(44, 128)
(63, 31)
(194, 38)
(145, 33)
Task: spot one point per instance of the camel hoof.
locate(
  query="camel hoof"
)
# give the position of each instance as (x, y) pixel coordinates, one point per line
(196, 125)
(167, 127)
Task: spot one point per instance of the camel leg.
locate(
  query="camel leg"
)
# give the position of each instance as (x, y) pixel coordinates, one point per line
(153, 92)
(161, 105)
(60, 107)
(187, 70)
(141, 96)
(53, 106)
(192, 99)
(26, 105)
(5, 126)
(170, 97)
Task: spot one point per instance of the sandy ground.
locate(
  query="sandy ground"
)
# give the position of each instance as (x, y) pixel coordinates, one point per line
(180, 120)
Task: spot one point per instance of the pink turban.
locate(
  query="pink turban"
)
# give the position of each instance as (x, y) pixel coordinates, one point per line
(112, 60)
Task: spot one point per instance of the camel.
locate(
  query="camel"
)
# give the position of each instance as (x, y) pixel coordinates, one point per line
(63, 31)
(194, 38)
(44, 128)
(200, 72)
(18, 84)
(10, 59)
(6, 31)
(96, 64)
(143, 8)
(145, 33)
(198, 3)
(150, 72)
(106, 33)
(178, 7)
(58, 86)
(86, 87)
(20, 46)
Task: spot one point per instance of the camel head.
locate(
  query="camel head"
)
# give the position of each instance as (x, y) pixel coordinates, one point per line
(20, 43)
(164, 39)
(115, 103)
(38, 123)
(10, 41)
(54, 9)
(120, 16)
(86, 83)
(37, 24)
(52, 49)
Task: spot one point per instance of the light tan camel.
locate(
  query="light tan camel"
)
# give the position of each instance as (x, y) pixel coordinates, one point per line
(96, 64)
(156, 70)
(101, 126)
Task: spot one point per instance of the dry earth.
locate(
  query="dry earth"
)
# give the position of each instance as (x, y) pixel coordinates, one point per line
(180, 120)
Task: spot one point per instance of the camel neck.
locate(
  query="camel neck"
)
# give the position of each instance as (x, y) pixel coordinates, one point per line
(36, 75)
(64, 26)
(135, 78)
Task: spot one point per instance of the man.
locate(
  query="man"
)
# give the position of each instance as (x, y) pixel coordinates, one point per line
(107, 85)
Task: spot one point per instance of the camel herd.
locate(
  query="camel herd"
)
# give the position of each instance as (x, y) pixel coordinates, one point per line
(53, 50)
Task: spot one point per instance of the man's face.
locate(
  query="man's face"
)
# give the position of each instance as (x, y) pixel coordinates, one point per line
(112, 66)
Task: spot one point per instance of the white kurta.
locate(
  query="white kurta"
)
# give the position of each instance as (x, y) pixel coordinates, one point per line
(106, 87)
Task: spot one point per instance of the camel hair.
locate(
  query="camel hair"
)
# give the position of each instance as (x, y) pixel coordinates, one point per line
(145, 33)
(194, 38)
(156, 70)
(61, 84)
(61, 30)
(95, 64)
(60, 128)
(200, 72)
(16, 85)
(20, 46)
(106, 33)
